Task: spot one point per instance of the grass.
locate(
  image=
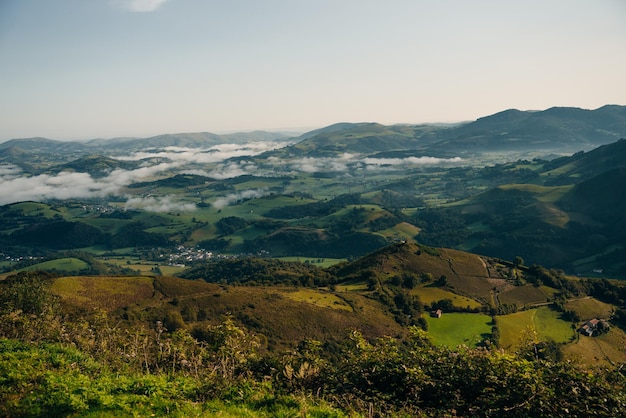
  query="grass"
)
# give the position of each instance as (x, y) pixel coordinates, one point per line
(429, 295)
(68, 265)
(589, 308)
(403, 230)
(316, 261)
(134, 264)
(542, 193)
(605, 350)
(103, 292)
(454, 329)
(352, 287)
(524, 295)
(318, 298)
(543, 320)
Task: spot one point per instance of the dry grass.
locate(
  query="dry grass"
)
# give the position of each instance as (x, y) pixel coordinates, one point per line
(429, 295)
(604, 350)
(588, 308)
(108, 293)
(524, 295)
(318, 298)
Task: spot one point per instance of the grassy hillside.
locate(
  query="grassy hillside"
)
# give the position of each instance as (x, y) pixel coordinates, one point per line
(361, 341)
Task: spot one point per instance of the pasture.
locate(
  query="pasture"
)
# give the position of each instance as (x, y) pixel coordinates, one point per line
(604, 350)
(455, 329)
(544, 321)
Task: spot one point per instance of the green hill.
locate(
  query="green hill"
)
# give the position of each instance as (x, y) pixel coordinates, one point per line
(96, 165)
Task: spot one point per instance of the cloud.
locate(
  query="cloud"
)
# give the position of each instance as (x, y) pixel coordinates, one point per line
(215, 154)
(314, 165)
(222, 202)
(412, 161)
(71, 185)
(9, 170)
(141, 5)
(226, 171)
(160, 204)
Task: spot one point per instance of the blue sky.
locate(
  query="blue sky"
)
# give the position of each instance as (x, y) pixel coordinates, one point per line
(79, 69)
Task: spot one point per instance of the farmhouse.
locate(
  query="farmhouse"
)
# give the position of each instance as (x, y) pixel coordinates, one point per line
(436, 313)
(593, 327)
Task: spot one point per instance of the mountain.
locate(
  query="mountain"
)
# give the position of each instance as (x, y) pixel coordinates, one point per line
(561, 130)
(44, 145)
(565, 129)
(185, 140)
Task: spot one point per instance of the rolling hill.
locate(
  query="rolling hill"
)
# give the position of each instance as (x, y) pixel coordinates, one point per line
(574, 221)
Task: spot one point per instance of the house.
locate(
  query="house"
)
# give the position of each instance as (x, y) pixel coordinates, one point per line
(593, 327)
(436, 313)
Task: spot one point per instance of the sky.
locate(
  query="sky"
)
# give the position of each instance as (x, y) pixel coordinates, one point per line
(82, 69)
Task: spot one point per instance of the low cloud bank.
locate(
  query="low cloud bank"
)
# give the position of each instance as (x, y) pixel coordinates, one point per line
(412, 161)
(71, 185)
(160, 204)
(238, 197)
(214, 154)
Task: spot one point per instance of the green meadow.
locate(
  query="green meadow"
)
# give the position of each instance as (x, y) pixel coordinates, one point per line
(544, 321)
(454, 329)
(68, 265)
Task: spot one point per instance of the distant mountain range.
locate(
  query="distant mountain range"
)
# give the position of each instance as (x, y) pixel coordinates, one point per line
(558, 129)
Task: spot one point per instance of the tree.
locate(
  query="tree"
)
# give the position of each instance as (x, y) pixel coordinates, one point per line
(518, 261)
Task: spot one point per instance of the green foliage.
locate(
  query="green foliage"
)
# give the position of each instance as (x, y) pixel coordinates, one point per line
(224, 372)
(27, 292)
(231, 224)
(135, 235)
(59, 234)
(258, 270)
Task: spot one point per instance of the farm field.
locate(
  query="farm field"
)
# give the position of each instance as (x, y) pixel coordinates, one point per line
(454, 329)
(544, 321)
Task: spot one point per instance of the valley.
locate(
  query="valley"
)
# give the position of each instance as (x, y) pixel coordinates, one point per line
(497, 240)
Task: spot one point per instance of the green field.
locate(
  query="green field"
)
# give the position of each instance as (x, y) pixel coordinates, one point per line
(69, 265)
(454, 329)
(544, 321)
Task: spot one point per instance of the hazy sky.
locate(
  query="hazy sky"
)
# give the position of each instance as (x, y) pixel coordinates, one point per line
(78, 69)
